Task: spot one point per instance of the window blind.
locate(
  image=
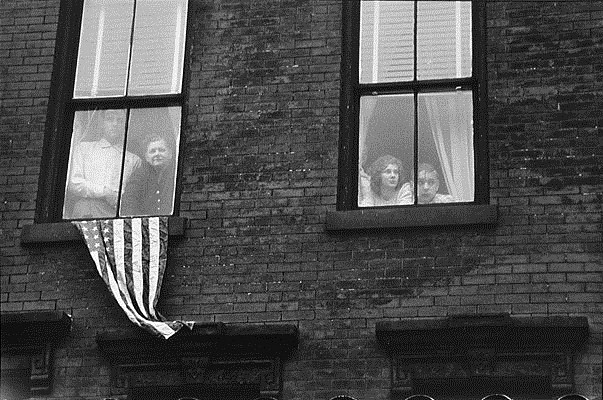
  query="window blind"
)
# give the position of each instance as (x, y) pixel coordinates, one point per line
(157, 48)
(157, 51)
(387, 41)
(104, 49)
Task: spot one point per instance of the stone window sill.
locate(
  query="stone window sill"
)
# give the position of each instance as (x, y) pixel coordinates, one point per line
(407, 217)
(66, 232)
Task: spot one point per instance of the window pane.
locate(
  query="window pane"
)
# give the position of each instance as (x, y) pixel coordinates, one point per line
(158, 47)
(386, 41)
(446, 144)
(443, 39)
(102, 62)
(386, 150)
(153, 134)
(95, 164)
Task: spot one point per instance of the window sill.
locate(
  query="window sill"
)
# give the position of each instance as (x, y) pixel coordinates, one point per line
(408, 217)
(67, 232)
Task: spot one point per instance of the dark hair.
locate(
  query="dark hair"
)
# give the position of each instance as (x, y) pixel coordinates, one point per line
(428, 168)
(378, 166)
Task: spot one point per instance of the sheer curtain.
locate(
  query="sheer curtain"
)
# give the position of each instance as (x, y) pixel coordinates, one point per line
(444, 43)
(367, 108)
(450, 118)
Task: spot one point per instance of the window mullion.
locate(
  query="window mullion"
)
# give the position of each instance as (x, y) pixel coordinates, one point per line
(131, 46)
(416, 112)
(127, 107)
(124, 153)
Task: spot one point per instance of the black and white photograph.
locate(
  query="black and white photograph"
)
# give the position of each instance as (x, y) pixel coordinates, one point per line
(301, 199)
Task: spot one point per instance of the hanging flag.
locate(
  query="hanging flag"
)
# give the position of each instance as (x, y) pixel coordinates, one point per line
(130, 255)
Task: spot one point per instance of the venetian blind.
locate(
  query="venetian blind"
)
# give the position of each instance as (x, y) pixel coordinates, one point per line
(157, 50)
(387, 40)
(443, 39)
(104, 49)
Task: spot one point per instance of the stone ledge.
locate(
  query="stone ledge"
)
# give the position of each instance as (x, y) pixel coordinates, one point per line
(34, 327)
(54, 232)
(412, 216)
(209, 338)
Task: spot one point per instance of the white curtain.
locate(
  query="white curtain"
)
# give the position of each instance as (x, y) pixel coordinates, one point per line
(367, 108)
(450, 118)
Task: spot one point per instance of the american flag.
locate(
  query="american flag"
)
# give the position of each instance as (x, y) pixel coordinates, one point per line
(130, 255)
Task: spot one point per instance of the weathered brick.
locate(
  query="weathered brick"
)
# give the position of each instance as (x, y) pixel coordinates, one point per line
(259, 172)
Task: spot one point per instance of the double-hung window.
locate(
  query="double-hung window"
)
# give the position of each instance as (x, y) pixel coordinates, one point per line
(413, 105)
(113, 137)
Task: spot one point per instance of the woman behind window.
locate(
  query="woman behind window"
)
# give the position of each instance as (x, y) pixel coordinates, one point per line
(150, 190)
(384, 184)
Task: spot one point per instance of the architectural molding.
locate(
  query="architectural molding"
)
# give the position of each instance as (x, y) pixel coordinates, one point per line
(482, 354)
(243, 358)
(34, 336)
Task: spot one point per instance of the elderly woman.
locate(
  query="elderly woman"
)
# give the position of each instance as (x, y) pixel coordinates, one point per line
(384, 186)
(150, 190)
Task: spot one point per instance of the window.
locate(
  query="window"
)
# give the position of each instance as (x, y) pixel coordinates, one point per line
(113, 132)
(413, 105)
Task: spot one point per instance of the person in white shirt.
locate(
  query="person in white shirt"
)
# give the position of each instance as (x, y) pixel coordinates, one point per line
(95, 169)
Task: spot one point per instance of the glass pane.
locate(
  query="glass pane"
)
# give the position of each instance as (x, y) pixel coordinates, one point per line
(154, 135)
(443, 39)
(386, 150)
(446, 171)
(386, 41)
(95, 164)
(158, 47)
(102, 63)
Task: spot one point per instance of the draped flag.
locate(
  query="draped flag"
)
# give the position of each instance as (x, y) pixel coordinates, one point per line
(130, 255)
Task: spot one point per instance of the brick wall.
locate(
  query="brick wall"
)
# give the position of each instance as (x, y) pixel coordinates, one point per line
(260, 172)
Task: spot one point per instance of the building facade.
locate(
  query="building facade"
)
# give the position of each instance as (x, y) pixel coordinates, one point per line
(296, 291)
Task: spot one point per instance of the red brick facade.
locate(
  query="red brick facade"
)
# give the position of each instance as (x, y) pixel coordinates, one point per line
(259, 174)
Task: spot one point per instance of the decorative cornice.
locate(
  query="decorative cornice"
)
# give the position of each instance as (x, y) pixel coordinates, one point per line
(35, 334)
(210, 355)
(482, 354)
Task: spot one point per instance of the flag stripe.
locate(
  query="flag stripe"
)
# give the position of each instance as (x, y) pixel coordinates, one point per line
(130, 255)
(154, 248)
(137, 264)
(147, 262)
(121, 272)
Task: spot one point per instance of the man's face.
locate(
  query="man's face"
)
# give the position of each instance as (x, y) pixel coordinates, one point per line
(390, 176)
(158, 153)
(113, 125)
(428, 185)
